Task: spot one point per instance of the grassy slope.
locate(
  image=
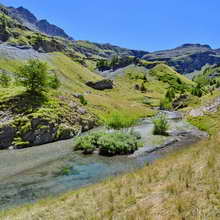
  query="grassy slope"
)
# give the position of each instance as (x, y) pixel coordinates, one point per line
(123, 97)
(167, 189)
(183, 185)
(163, 69)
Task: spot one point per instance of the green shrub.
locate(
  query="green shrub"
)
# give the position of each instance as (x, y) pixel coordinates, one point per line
(4, 80)
(173, 81)
(109, 144)
(197, 91)
(87, 143)
(160, 125)
(118, 143)
(54, 82)
(165, 104)
(118, 120)
(83, 101)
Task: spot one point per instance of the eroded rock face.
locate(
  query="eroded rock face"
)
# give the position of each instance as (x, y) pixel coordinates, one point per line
(186, 58)
(51, 29)
(101, 85)
(42, 131)
(48, 46)
(29, 20)
(7, 134)
(19, 130)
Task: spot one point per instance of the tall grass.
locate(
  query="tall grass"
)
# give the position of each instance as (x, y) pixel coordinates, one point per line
(118, 120)
(160, 125)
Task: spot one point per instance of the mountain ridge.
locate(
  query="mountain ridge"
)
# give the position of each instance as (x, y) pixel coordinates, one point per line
(186, 58)
(27, 18)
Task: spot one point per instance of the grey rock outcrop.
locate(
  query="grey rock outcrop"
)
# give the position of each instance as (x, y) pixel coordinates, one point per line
(7, 134)
(42, 131)
(187, 58)
(29, 20)
(105, 50)
(101, 85)
(51, 29)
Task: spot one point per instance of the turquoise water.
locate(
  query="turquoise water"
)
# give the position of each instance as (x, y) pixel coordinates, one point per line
(76, 170)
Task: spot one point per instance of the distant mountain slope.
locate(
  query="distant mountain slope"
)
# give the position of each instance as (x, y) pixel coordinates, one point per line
(29, 20)
(23, 31)
(107, 50)
(187, 58)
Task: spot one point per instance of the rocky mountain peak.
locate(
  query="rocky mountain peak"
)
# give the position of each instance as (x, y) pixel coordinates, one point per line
(28, 19)
(26, 15)
(51, 29)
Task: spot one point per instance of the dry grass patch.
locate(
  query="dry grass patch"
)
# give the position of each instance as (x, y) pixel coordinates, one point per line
(184, 185)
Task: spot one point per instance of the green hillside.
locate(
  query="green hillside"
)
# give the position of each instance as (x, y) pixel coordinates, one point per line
(54, 88)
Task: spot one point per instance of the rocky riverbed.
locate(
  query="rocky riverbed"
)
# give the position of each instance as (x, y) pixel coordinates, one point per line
(30, 174)
(208, 108)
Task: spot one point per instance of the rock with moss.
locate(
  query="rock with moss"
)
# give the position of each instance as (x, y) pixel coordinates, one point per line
(65, 132)
(7, 134)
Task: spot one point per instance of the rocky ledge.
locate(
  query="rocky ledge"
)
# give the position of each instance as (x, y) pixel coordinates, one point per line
(26, 130)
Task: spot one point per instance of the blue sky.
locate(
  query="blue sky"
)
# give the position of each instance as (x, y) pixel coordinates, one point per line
(141, 24)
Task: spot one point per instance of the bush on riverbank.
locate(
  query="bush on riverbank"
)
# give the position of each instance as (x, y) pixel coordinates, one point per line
(108, 144)
(160, 125)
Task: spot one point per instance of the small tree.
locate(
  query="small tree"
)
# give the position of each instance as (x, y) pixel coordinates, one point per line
(34, 76)
(83, 101)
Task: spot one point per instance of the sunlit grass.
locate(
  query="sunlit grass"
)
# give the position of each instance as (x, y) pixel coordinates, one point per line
(183, 185)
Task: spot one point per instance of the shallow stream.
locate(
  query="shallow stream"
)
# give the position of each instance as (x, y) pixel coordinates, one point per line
(73, 170)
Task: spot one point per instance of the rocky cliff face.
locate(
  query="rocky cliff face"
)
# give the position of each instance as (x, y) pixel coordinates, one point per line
(187, 58)
(50, 29)
(29, 20)
(105, 50)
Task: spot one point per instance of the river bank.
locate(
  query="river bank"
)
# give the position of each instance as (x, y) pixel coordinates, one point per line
(51, 169)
